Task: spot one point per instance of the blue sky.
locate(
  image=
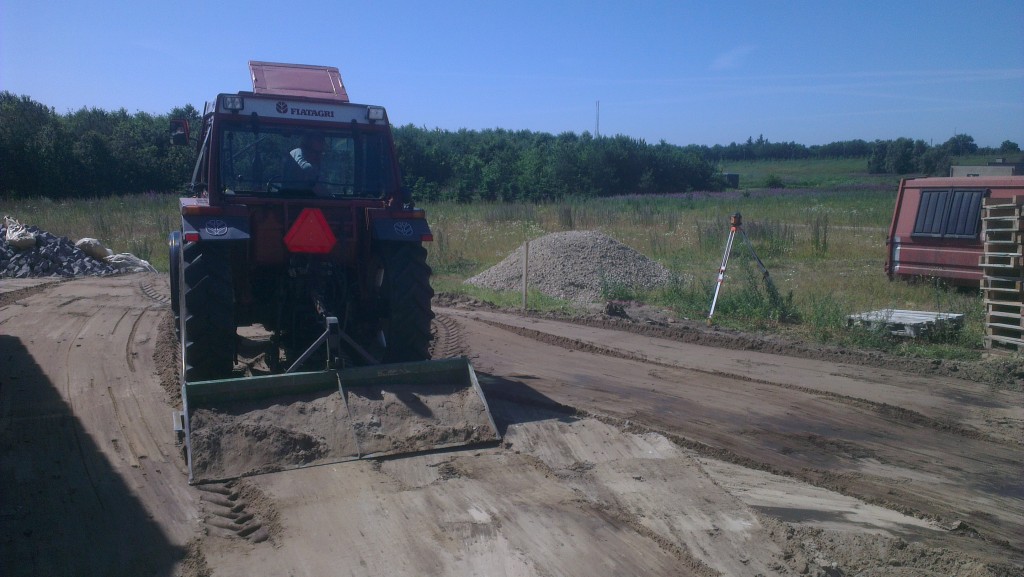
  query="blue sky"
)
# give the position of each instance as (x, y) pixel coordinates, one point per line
(684, 72)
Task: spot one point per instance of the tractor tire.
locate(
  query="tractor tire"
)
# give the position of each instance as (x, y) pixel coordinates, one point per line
(406, 293)
(174, 249)
(207, 312)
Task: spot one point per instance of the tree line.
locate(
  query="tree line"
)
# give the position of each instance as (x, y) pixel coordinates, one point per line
(506, 165)
(93, 152)
(899, 156)
(87, 153)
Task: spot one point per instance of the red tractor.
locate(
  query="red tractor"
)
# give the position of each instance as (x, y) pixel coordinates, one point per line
(297, 223)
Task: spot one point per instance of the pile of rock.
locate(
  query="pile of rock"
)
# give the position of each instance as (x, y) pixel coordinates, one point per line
(27, 251)
(578, 266)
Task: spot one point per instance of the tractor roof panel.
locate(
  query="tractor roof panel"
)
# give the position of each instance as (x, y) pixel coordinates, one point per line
(297, 80)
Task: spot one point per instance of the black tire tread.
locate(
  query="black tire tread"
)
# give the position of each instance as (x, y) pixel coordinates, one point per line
(208, 308)
(408, 293)
(174, 260)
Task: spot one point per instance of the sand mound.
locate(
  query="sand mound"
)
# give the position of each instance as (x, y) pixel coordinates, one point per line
(577, 266)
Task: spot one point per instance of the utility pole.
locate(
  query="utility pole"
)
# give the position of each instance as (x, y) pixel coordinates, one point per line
(597, 124)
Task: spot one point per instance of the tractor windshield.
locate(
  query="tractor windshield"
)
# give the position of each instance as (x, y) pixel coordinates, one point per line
(281, 162)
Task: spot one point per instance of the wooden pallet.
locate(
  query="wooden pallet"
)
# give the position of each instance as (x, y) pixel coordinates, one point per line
(1002, 237)
(1010, 286)
(1004, 222)
(1007, 337)
(1001, 260)
(1008, 212)
(1012, 331)
(1002, 264)
(1008, 344)
(905, 323)
(1003, 306)
(1005, 319)
(1016, 200)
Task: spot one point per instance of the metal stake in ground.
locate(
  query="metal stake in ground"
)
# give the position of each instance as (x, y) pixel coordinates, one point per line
(735, 225)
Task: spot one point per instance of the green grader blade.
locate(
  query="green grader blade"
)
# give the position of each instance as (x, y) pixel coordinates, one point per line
(249, 426)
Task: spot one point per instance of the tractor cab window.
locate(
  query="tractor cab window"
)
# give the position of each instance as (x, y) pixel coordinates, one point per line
(283, 162)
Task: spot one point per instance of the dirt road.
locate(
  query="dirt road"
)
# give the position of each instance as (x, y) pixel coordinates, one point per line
(623, 454)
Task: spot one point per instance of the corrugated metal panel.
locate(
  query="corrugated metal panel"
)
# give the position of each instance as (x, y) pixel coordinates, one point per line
(964, 214)
(949, 213)
(930, 213)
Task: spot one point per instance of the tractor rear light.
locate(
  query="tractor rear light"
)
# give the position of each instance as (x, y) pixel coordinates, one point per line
(310, 233)
(234, 103)
(201, 210)
(191, 236)
(407, 214)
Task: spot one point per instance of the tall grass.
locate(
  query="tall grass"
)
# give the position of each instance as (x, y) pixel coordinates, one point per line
(138, 223)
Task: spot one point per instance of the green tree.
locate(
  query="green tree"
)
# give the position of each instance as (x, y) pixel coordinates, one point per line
(960, 144)
(934, 162)
(899, 159)
(32, 146)
(876, 159)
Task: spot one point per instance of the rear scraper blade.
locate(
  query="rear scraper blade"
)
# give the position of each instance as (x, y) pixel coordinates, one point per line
(254, 425)
(416, 407)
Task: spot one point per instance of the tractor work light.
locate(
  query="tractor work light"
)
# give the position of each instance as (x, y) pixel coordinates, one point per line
(234, 103)
(374, 113)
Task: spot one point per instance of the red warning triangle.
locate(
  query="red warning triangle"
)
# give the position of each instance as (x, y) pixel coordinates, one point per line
(310, 233)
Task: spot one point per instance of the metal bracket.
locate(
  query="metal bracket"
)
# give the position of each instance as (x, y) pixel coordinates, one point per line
(330, 336)
(178, 421)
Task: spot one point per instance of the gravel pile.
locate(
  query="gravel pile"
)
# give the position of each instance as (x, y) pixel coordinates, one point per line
(51, 255)
(577, 266)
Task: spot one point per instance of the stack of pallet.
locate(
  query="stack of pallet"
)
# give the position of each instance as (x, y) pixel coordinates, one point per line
(1003, 281)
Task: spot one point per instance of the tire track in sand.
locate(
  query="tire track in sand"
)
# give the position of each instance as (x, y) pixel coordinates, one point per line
(447, 340)
(885, 410)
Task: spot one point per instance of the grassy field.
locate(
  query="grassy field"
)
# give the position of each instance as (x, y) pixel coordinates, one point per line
(138, 224)
(822, 240)
(824, 250)
(808, 173)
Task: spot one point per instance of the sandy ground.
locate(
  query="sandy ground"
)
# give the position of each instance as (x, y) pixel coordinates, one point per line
(622, 454)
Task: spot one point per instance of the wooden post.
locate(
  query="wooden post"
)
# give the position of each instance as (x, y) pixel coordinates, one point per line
(526, 268)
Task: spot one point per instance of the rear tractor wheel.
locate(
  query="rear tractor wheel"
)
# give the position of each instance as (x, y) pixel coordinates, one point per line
(207, 310)
(405, 302)
(174, 250)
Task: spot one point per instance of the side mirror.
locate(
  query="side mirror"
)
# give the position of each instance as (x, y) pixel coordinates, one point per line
(179, 132)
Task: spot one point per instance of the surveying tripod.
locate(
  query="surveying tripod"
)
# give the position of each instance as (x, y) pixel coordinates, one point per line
(735, 225)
